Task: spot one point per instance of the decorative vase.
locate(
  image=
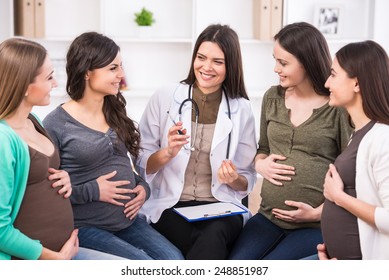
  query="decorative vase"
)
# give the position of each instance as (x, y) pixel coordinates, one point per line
(145, 31)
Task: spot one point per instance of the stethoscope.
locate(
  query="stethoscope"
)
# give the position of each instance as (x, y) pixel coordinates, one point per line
(196, 109)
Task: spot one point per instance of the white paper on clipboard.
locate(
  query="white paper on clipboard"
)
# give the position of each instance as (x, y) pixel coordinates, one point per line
(209, 211)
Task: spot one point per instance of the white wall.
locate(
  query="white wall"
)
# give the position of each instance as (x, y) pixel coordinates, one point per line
(381, 23)
(6, 26)
(153, 63)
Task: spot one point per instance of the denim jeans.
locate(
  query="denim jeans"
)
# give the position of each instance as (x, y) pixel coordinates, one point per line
(89, 254)
(138, 242)
(262, 239)
(312, 258)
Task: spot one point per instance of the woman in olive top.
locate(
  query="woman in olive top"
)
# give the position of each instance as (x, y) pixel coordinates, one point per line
(300, 134)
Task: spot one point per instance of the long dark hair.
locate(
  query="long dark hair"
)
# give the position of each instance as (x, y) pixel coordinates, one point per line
(91, 51)
(309, 46)
(228, 41)
(369, 63)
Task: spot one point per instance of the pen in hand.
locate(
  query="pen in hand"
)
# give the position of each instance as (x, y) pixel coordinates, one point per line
(179, 131)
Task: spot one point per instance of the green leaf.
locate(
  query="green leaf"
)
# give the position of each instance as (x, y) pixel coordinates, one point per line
(144, 18)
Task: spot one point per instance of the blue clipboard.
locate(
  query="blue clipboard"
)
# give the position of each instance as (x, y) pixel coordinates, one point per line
(209, 211)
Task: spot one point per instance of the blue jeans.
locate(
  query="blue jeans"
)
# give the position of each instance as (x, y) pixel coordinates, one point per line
(312, 258)
(262, 239)
(138, 242)
(89, 254)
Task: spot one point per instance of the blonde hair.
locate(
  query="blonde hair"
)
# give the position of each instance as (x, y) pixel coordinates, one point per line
(20, 63)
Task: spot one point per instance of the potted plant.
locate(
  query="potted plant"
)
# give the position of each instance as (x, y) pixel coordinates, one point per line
(144, 17)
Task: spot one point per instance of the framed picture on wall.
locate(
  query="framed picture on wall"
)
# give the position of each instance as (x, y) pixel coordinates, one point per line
(328, 19)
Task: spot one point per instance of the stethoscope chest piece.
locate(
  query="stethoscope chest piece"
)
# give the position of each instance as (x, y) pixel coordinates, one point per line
(197, 112)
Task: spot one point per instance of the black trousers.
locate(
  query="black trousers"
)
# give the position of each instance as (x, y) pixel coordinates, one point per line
(202, 240)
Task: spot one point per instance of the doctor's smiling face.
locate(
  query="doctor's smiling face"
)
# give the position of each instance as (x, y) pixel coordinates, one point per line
(209, 67)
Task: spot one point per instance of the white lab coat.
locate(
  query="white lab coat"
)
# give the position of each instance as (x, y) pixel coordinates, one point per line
(167, 184)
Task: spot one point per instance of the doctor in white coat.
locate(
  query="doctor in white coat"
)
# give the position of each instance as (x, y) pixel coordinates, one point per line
(198, 143)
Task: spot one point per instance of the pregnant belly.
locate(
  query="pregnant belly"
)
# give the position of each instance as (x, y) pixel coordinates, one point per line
(45, 216)
(340, 232)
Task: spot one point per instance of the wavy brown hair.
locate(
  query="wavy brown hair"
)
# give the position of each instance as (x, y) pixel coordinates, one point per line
(88, 52)
(20, 62)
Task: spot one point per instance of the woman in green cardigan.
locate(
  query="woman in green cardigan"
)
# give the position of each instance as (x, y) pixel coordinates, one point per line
(36, 219)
